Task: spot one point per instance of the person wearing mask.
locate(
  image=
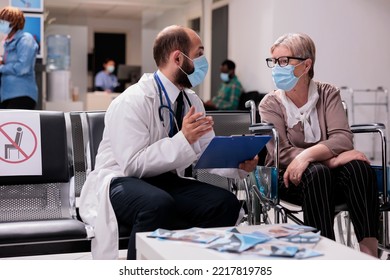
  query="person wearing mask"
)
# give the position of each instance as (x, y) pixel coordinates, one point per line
(106, 80)
(229, 91)
(319, 166)
(18, 88)
(141, 177)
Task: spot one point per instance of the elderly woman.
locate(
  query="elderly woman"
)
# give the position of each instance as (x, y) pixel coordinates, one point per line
(317, 161)
(18, 86)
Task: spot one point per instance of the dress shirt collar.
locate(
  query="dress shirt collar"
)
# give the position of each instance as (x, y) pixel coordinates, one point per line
(172, 90)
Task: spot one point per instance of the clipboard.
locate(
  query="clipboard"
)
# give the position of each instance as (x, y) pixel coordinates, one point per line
(230, 151)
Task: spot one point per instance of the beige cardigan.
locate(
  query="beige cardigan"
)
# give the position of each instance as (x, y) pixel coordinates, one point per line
(335, 131)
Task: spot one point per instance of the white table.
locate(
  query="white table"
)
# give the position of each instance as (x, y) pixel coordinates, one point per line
(156, 249)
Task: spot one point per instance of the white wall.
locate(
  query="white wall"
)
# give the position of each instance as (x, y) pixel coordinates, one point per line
(349, 35)
(250, 36)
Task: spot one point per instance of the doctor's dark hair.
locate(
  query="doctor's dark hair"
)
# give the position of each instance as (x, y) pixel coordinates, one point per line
(170, 39)
(14, 16)
(300, 45)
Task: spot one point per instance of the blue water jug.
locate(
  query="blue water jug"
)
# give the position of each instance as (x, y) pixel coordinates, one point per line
(58, 52)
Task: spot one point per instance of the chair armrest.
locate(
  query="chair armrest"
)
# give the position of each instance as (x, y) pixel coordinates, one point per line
(367, 128)
(261, 128)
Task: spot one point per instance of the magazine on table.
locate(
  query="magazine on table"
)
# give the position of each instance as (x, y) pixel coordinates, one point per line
(197, 235)
(290, 241)
(237, 242)
(280, 231)
(279, 248)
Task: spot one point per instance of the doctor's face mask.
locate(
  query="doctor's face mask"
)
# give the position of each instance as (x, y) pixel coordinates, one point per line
(181, 77)
(201, 66)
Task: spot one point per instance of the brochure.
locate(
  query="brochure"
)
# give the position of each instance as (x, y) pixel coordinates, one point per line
(238, 243)
(197, 235)
(282, 249)
(280, 231)
(290, 241)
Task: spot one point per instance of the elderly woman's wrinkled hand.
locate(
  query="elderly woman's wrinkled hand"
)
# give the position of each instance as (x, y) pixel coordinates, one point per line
(294, 171)
(346, 157)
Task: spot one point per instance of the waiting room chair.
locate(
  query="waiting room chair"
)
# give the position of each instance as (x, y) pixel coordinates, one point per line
(255, 96)
(79, 151)
(93, 127)
(37, 213)
(226, 123)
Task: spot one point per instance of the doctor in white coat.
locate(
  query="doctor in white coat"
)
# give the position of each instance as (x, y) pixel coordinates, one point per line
(139, 179)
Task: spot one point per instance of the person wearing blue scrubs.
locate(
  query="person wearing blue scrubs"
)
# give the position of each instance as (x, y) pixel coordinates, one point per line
(106, 80)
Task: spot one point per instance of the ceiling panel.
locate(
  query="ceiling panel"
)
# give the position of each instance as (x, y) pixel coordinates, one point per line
(111, 9)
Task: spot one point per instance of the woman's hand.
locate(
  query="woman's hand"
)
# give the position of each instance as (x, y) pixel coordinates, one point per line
(295, 170)
(346, 157)
(249, 165)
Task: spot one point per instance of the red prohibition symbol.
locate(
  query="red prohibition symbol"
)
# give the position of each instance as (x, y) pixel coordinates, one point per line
(15, 142)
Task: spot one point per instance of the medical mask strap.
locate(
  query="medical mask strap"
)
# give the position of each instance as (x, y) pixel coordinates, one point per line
(182, 68)
(303, 71)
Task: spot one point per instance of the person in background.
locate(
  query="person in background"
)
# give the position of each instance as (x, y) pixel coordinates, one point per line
(18, 88)
(229, 91)
(106, 80)
(141, 178)
(319, 166)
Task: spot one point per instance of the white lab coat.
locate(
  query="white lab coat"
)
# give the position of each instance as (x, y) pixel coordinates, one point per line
(135, 143)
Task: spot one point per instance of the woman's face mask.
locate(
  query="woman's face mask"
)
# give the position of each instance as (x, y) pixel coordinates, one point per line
(5, 27)
(110, 68)
(201, 66)
(284, 77)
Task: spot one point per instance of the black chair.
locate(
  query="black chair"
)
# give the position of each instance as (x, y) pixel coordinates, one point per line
(79, 152)
(255, 96)
(93, 125)
(37, 213)
(226, 123)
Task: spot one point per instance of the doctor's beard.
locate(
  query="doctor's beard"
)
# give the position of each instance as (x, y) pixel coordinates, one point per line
(181, 78)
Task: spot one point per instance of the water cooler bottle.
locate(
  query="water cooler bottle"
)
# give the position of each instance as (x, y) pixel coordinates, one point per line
(58, 68)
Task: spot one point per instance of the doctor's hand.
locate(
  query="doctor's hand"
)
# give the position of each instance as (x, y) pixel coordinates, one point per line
(249, 165)
(195, 125)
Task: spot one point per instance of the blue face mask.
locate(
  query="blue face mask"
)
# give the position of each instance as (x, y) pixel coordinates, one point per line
(4, 27)
(201, 66)
(225, 77)
(110, 68)
(284, 77)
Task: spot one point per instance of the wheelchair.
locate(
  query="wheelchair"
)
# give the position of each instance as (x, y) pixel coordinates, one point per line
(261, 189)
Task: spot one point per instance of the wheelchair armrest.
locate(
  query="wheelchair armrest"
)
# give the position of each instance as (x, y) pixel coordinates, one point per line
(385, 207)
(367, 128)
(261, 127)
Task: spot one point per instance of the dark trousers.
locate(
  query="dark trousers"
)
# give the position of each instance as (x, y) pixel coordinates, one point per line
(170, 202)
(22, 102)
(321, 188)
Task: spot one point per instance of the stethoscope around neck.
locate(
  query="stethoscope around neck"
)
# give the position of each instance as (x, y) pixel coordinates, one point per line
(172, 118)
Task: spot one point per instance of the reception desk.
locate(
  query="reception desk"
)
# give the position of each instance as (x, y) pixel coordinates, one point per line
(99, 100)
